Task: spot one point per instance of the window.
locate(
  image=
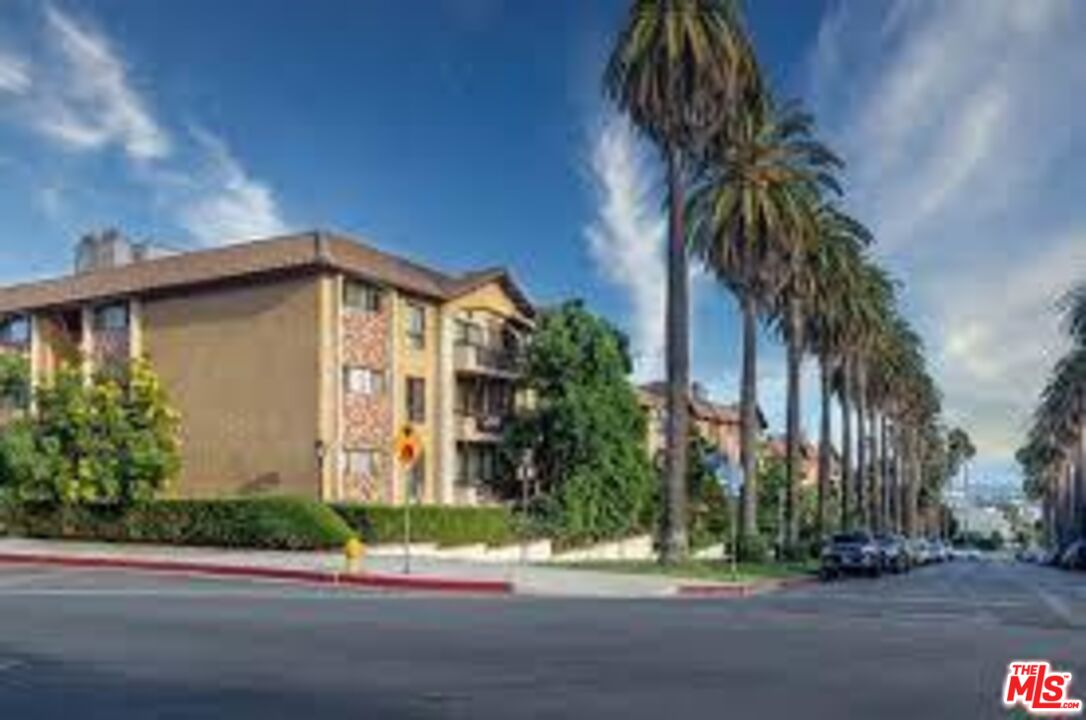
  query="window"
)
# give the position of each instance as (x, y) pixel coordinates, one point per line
(15, 330)
(416, 326)
(361, 296)
(416, 400)
(111, 317)
(364, 462)
(363, 381)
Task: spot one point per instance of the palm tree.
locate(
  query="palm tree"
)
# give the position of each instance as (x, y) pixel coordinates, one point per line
(961, 451)
(678, 69)
(1054, 457)
(875, 309)
(834, 267)
(752, 212)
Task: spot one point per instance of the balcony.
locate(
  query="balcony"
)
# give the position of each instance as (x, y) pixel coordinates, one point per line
(479, 428)
(483, 359)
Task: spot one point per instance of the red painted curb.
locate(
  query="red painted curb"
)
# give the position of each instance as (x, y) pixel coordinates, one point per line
(313, 577)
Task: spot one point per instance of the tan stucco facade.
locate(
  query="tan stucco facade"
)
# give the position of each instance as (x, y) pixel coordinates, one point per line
(241, 364)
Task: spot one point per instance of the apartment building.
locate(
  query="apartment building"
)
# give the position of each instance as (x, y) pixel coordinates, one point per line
(294, 360)
(716, 422)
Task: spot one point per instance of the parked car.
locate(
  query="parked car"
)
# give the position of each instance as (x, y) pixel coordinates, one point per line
(919, 551)
(895, 557)
(1074, 557)
(939, 551)
(853, 552)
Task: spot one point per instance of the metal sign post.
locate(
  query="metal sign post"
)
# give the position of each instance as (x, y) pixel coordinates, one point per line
(728, 475)
(408, 450)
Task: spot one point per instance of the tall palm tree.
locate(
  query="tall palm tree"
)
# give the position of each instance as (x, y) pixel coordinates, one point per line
(875, 310)
(678, 69)
(751, 212)
(1054, 457)
(835, 268)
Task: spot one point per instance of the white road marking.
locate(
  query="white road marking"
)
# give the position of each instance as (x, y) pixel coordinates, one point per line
(1057, 605)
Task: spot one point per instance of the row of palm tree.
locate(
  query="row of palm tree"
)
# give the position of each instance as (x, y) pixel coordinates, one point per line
(1053, 459)
(755, 197)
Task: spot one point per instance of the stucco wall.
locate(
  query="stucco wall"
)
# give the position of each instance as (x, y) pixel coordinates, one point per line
(241, 365)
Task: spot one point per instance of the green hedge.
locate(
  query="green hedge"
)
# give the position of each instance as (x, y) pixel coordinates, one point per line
(284, 523)
(432, 523)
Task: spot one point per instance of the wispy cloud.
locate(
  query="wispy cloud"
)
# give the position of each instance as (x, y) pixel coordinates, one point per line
(954, 118)
(226, 203)
(14, 77)
(83, 100)
(91, 104)
(626, 237)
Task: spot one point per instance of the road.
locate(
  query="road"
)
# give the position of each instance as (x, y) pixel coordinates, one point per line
(933, 644)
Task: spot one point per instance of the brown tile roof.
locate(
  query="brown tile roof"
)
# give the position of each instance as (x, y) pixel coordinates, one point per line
(304, 250)
(655, 393)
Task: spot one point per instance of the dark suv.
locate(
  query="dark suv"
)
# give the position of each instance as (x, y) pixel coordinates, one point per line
(851, 552)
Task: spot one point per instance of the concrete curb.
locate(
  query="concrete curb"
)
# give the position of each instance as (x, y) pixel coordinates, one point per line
(740, 590)
(309, 577)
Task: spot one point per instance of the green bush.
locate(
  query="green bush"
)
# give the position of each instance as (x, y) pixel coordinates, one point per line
(284, 523)
(432, 523)
(110, 441)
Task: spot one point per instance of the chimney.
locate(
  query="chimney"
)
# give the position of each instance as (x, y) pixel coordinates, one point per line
(106, 249)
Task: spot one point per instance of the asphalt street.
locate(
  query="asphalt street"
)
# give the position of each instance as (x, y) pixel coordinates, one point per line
(932, 644)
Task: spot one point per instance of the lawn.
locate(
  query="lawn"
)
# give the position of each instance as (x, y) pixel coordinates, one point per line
(715, 570)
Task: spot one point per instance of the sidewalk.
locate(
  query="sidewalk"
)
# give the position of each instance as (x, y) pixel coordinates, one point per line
(386, 571)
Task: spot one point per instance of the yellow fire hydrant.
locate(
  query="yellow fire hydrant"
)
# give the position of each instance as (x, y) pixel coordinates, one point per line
(353, 550)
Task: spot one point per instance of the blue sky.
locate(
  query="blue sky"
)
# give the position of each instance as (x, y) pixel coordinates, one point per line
(472, 132)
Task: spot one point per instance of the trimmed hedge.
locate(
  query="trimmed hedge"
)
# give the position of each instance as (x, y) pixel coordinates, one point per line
(283, 523)
(443, 525)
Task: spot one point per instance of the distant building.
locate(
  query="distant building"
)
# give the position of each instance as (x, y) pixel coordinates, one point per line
(718, 423)
(294, 360)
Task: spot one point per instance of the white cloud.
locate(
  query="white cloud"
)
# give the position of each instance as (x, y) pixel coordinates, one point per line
(626, 238)
(14, 75)
(83, 100)
(227, 204)
(91, 104)
(957, 120)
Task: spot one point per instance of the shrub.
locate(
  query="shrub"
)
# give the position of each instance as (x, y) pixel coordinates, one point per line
(432, 523)
(284, 523)
(111, 441)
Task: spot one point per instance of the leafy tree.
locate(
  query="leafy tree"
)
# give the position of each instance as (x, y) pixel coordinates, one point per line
(112, 441)
(585, 433)
(14, 380)
(709, 510)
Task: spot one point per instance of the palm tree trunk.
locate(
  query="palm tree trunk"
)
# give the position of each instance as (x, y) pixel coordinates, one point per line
(884, 471)
(1081, 463)
(846, 449)
(748, 416)
(862, 508)
(675, 543)
(912, 484)
(875, 487)
(792, 439)
(825, 445)
(901, 481)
